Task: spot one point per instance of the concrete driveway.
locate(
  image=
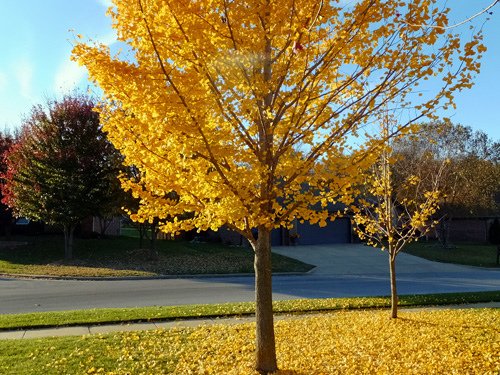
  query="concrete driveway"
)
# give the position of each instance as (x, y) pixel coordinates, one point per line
(357, 259)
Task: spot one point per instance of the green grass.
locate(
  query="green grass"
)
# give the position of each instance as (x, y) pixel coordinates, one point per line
(155, 313)
(121, 256)
(31, 356)
(480, 255)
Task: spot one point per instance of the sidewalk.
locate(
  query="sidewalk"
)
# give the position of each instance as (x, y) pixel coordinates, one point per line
(109, 328)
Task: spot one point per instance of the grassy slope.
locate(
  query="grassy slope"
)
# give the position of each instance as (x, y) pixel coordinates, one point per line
(480, 255)
(101, 316)
(121, 257)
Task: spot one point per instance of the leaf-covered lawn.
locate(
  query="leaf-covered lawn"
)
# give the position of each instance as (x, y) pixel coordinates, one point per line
(122, 257)
(361, 342)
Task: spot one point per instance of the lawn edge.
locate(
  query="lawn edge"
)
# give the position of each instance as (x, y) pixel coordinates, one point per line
(455, 299)
(145, 277)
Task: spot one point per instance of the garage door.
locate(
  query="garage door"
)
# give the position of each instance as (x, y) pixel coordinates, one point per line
(337, 232)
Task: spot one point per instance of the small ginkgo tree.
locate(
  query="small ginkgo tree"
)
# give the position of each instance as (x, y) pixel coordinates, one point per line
(392, 215)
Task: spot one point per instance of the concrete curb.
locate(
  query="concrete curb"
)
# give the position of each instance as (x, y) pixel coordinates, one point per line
(159, 277)
(186, 323)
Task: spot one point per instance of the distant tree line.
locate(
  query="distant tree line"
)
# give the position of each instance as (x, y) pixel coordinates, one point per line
(470, 183)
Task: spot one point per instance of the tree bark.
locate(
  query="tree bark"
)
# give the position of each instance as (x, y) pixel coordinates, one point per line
(141, 235)
(498, 255)
(8, 230)
(152, 244)
(265, 341)
(444, 226)
(68, 241)
(394, 292)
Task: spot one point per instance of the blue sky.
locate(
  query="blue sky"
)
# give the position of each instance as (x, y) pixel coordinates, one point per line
(35, 40)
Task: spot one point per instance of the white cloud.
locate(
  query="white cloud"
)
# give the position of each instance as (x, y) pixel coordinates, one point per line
(69, 75)
(109, 38)
(23, 71)
(105, 3)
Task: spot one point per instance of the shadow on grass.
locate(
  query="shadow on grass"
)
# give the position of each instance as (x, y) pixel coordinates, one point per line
(43, 255)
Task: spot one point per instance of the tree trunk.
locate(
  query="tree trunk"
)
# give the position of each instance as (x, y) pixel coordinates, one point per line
(152, 244)
(68, 241)
(394, 292)
(265, 342)
(141, 235)
(444, 226)
(8, 230)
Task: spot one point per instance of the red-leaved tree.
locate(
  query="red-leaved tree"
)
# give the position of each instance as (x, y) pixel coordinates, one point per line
(62, 169)
(6, 141)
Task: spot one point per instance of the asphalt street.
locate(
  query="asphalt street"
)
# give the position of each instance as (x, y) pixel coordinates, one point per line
(18, 296)
(332, 278)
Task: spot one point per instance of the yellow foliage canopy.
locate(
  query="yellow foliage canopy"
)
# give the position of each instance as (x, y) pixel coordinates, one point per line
(396, 213)
(245, 108)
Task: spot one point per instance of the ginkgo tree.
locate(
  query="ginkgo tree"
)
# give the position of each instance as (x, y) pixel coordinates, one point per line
(246, 109)
(395, 212)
